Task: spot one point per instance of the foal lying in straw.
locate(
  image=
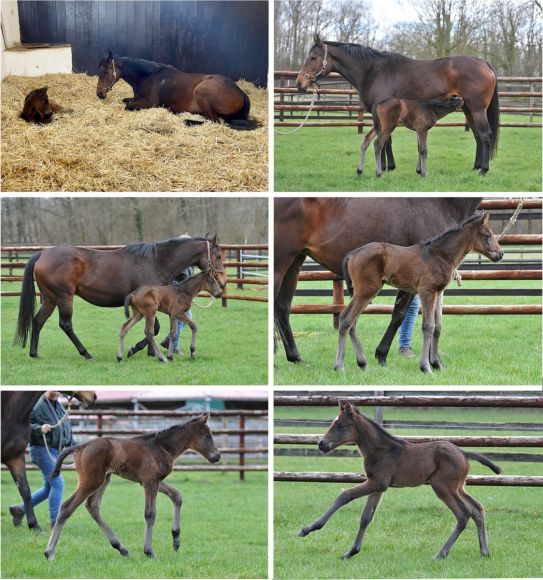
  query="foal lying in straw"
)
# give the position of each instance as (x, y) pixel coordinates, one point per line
(175, 301)
(424, 269)
(146, 459)
(393, 462)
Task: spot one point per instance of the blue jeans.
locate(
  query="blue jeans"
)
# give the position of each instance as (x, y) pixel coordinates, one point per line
(180, 326)
(408, 324)
(52, 488)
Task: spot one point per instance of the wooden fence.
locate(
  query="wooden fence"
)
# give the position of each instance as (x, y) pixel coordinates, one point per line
(535, 401)
(14, 258)
(333, 99)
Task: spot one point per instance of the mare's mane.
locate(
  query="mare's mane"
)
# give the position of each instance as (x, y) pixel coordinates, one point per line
(146, 249)
(358, 51)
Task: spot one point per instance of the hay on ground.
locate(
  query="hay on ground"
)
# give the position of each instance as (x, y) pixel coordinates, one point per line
(99, 146)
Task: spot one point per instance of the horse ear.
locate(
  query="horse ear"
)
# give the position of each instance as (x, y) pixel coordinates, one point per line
(110, 55)
(346, 408)
(486, 217)
(204, 418)
(317, 39)
(213, 240)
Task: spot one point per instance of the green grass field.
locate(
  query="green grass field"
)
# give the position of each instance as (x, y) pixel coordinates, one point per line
(231, 348)
(411, 524)
(223, 532)
(477, 349)
(325, 159)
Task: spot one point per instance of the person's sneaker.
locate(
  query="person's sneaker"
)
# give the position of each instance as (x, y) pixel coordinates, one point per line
(17, 514)
(407, 352)
(177, 351)
(166, 342)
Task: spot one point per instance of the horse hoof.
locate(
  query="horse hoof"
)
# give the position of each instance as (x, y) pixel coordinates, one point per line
(170, 357)
(119, 359)
(124, 552)
(362, 364)
(36, 529)
(129, 353)
(391, 168)
(339, 368)
(149, 553)
(49, 555)
(439, 556)
(349, 554)
(17, 514)
(359, 172)
(426, 371)
(483, 171)
(303, 533)
(89, 357)
(33, 355)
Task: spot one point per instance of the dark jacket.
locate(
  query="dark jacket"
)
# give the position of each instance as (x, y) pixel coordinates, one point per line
(47, 412)
(185, 275)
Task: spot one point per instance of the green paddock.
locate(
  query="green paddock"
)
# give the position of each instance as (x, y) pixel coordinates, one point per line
(223, 532)
(411, 524)
(325, 159)
(231, 348)
(477, 349)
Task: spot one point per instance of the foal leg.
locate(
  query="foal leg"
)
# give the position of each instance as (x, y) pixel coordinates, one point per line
(151, 490)
(367, 515)
(177, 501)
(347, 320)
(143, 343)
(150, 335)
(173, 336)
(190, 323)
(435, 361)
(367, 488)
(478, 515)
(363, 148)
(65, 309)
(93, 506)
(134, 319)
(361, 359)
(428, 305)
(383, 137)
(67, 509)
(447, 493)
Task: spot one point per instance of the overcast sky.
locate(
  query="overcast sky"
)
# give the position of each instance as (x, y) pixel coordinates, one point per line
(388, 12)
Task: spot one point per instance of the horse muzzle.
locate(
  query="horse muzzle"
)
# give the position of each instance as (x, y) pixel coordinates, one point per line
(496, 256)
(323, 446)
(215, 458)
(302, 84)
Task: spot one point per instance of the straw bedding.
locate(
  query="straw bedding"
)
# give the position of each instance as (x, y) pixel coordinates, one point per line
(99, 146)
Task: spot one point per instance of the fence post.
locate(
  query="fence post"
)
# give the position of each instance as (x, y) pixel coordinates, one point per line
(338, 298)
(100, 425)
(532, 102)
(241, 446)
(282, 98)
(378, 411)
(239, 269)
(224, 301)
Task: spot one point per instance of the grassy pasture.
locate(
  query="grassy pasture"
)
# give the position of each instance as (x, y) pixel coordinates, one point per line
(325, 159)
(411, 524)
(477, 349)
(223, 532)
(226, 336)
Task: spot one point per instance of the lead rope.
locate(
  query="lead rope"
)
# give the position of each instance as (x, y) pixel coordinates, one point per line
(508, 226)
(55, 426)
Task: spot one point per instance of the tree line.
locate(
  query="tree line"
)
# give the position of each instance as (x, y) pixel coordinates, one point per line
(507, 33)
(80, 221)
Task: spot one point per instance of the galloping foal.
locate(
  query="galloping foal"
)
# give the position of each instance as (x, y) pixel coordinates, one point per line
(147, 301)
(424, 269)
(146, 459)
(393, 462)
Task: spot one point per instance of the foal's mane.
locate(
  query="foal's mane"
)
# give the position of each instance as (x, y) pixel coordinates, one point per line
(358, 51)
(382, 432)
(163, 433)
(146, 249)
(477, 215)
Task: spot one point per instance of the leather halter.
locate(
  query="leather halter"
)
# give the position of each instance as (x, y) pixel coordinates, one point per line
(313, 78)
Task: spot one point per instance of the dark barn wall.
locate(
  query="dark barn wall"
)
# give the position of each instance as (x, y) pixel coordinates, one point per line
(228, 38)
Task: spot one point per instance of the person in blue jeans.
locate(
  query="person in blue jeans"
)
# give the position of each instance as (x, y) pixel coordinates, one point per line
(46, 414)
(407, 326)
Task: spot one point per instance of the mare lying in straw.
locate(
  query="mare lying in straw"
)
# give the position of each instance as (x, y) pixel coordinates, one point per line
(146, 459)
(424, 269)
(419, 116)
(147, 301)
(39, 109)
(393, 462)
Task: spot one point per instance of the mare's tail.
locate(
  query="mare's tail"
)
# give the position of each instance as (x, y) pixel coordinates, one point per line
(346, 274)
(482, 459)
(127, 300)
(63, 454)
(27, 304)
(493, 117)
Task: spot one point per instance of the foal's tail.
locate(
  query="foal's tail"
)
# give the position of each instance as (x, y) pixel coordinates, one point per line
(493, 116)
(346, 274)
(27, 304)
(482, 459)
(127, 304)
(63, 454)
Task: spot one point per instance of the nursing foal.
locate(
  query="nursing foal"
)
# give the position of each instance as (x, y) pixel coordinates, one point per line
(424, 269)
(394, 462)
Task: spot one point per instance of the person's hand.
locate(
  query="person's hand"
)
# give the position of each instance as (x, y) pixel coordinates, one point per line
(46, 428)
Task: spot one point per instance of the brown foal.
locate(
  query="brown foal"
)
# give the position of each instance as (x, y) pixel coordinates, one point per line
(424, 269)
(146, 459)
(419, 116)
(39, 109)
(393, 462)
(174, 301)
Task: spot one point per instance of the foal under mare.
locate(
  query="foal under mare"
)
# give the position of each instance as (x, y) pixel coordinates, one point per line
(424, 269)
(393, 462)
(146, 459)
(419, 116)
(175, 301)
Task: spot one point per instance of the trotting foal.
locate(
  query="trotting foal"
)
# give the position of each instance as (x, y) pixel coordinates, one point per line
(147, 460)
(419, 116)
(424, 269)
(393, 462)
(174, 301)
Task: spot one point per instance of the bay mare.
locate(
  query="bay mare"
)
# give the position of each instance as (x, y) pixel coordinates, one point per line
(327, 229)
(391, 461)
(378, 76)
(103, 278)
